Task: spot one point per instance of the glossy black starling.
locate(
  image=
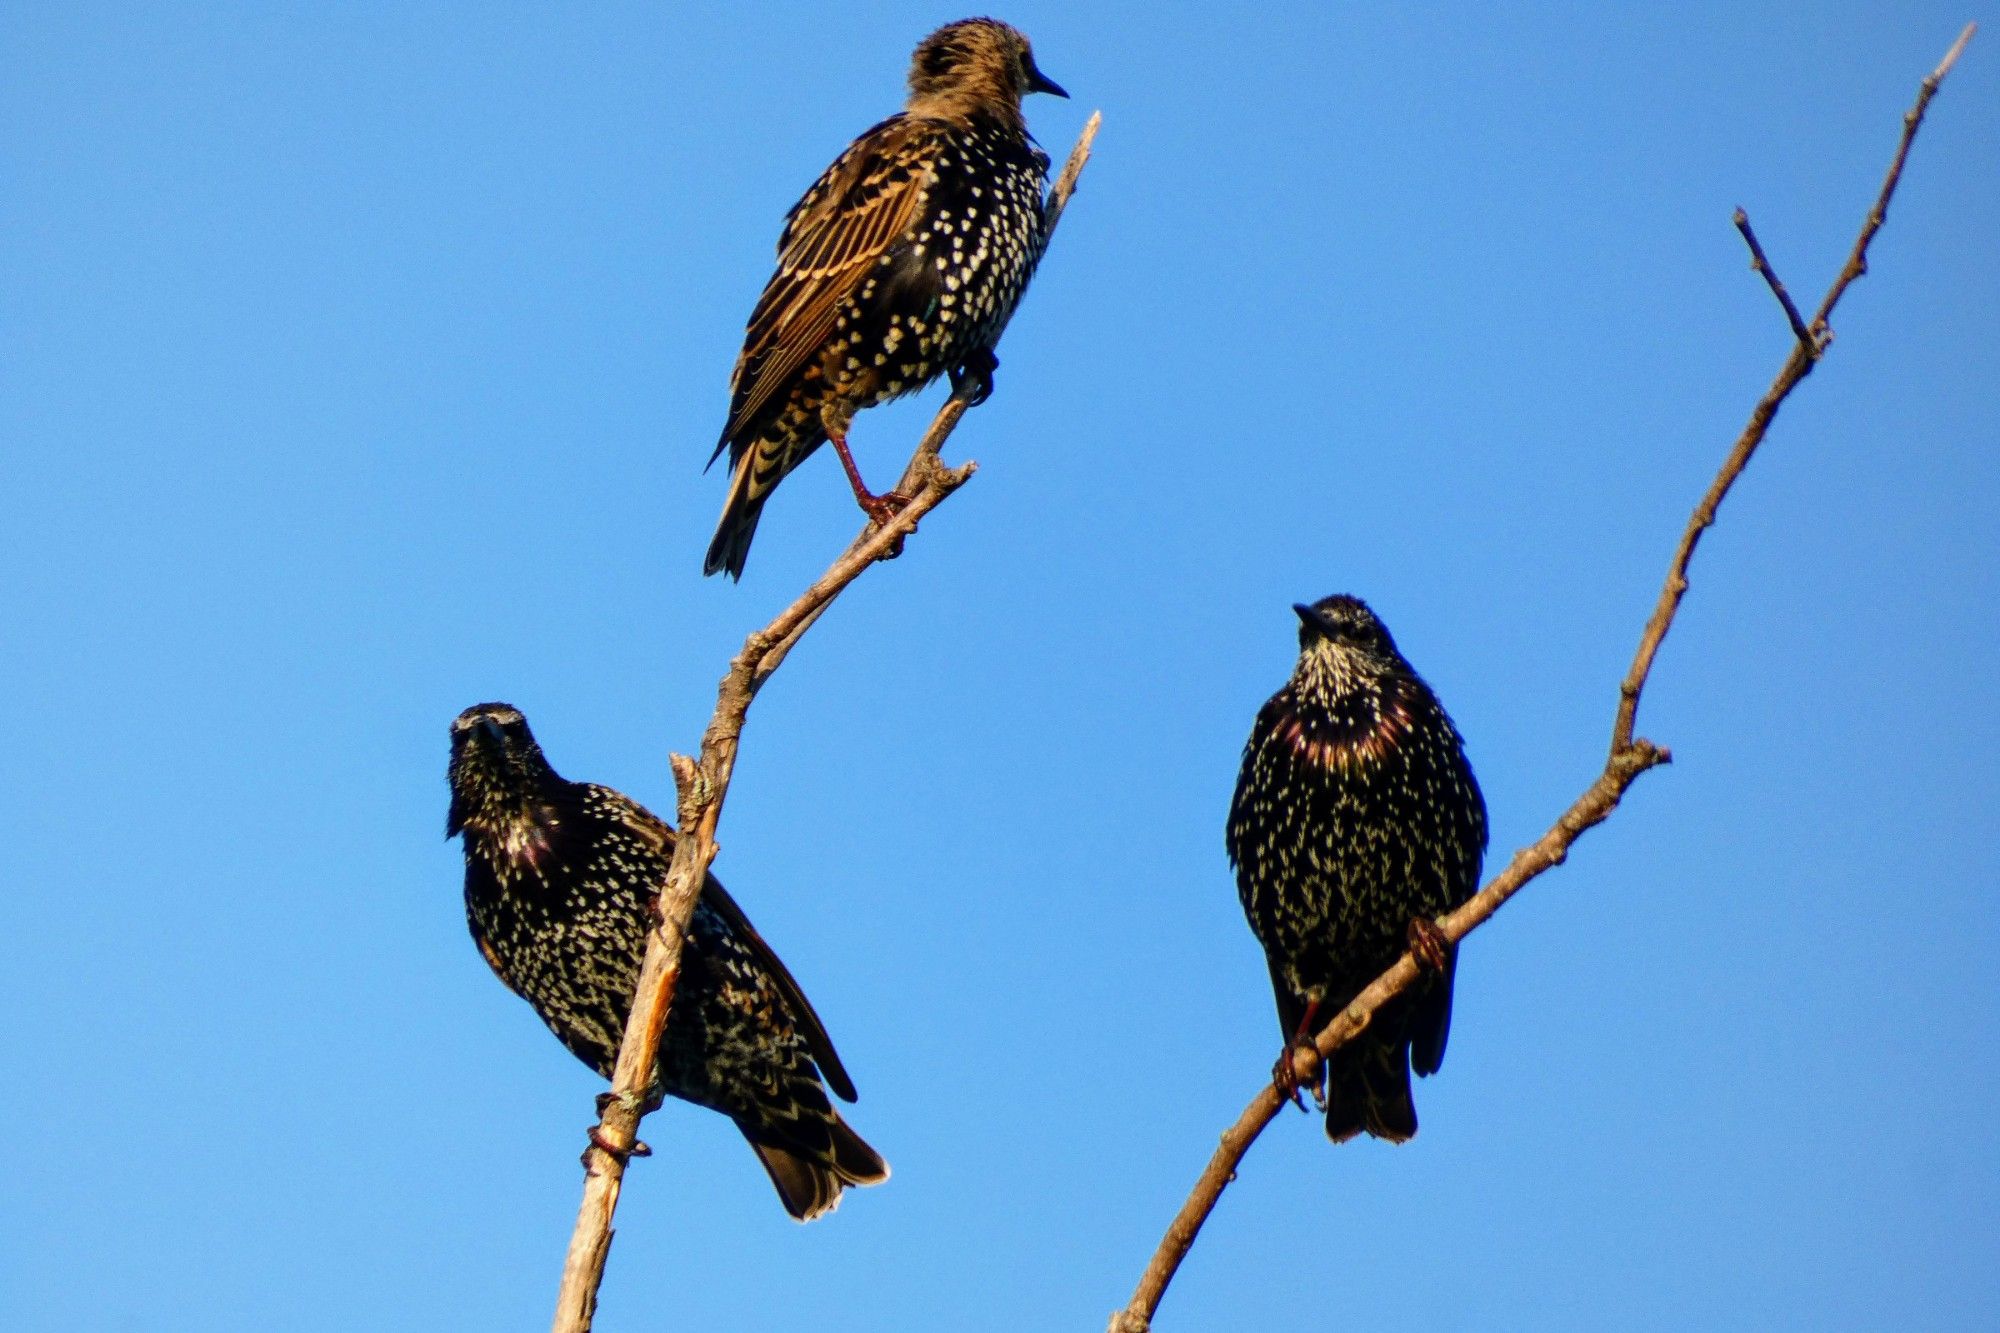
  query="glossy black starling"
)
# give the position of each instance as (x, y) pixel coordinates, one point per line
(560, 881)
(1356, 815)
(903, 262)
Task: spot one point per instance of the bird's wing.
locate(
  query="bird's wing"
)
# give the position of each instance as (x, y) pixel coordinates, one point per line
(810, 1027)
(665, 837)
(834, 237)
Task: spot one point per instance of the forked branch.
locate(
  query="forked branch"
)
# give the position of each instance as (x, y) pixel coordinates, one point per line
(702, 784)
(1630, 756)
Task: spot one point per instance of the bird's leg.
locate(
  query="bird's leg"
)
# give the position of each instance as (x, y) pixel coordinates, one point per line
(882, 507)
(973, 379)
(1428, 945)
(1285, 1073)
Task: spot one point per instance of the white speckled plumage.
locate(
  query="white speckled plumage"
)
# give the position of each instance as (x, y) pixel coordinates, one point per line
(560, 880)
(1355, 811)
(902, 263)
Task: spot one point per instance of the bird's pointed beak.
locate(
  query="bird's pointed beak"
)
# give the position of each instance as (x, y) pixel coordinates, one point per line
(1312, 619)
(490, 730)
(1039, 82)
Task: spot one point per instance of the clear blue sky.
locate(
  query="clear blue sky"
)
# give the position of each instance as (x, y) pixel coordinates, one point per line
(361, 362)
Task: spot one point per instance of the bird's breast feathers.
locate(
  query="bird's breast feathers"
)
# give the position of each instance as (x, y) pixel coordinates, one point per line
(1350, 738)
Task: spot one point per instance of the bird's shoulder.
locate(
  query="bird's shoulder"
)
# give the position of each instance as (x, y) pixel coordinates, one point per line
(860, 209)
(879, 177)
(608, 810)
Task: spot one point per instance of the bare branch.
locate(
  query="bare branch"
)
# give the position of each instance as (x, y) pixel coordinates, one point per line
(1805, 355)
(1763, 266)
(1857, 260)
(702, 785)
(1629, 756)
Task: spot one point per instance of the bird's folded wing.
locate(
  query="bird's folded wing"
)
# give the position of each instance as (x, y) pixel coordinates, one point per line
(836, 235)
(808, 1022)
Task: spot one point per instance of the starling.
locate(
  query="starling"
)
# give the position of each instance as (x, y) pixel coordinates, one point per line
(560, 884)
(1356, 820)
(903, 262)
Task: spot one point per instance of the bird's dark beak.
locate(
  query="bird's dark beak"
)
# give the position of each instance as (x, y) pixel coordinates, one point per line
(1312, 619)
(1039, 82)
(490, 730)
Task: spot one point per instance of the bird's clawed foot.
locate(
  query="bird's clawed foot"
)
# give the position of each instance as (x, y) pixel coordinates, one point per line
(884, 507)
(1285, 1074)
(973, 381)
(642, 1106)
(604, 1145)
(1428, 945)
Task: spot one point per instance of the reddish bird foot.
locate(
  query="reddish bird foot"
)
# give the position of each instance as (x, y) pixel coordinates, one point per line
(1285, 1074)
(612, 1150)
(884, 507)
(1428, 945)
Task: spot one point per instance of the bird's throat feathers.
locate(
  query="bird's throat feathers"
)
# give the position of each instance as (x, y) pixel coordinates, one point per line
(512, 825)
(512, 834)
(1343, 711)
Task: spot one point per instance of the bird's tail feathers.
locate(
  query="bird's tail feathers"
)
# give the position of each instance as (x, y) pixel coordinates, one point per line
(730, 546)
(759, 466)
(1369, 1090)
(809, 1186)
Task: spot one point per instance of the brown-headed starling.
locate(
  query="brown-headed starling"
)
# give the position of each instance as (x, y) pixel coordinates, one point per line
(902, 263)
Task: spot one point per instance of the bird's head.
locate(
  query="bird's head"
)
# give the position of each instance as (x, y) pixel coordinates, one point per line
(1343, 644)
(1341, 623)
(496, 767)
(975, 65)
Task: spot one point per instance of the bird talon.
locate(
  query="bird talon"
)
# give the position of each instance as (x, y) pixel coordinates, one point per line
(644, 1106)
(1428, 945)
(1285, 1075)
(610, 1149)
(882, 509)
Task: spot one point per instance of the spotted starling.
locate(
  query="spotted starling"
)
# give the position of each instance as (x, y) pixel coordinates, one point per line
(560, 882)
(903, 262)
(1356, 820)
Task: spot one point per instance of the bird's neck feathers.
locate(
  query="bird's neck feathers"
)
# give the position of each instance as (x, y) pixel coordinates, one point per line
(1330, 672)
(1343, 708)
(974, 95)
(508, 810)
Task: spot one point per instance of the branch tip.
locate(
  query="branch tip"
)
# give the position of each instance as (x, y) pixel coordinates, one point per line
(1951, 57)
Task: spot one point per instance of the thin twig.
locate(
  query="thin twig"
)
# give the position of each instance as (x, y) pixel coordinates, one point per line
(1804, 356)
(1857, 259)
(1763, 266)
(702, 785)
(1629, 758)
